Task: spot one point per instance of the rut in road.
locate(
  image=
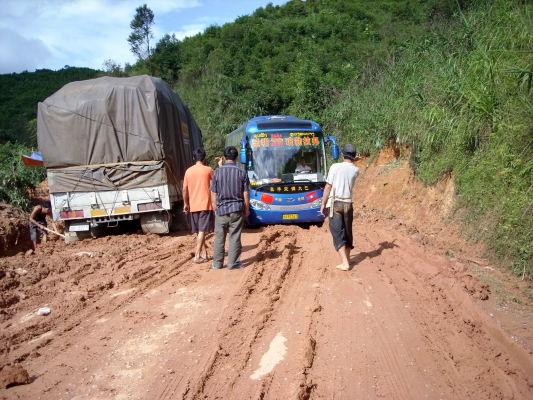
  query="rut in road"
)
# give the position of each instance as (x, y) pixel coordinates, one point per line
(240, 325)
(134, 317)
(400, 325)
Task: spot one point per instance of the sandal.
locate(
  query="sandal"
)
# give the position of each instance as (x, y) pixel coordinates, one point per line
(200, 260)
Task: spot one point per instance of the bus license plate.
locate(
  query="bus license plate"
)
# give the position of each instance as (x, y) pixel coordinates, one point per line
(290, 216)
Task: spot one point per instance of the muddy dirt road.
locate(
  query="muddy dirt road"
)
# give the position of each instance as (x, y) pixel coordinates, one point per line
(132, 317)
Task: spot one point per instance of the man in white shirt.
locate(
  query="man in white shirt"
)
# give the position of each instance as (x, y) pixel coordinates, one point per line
(337, 203)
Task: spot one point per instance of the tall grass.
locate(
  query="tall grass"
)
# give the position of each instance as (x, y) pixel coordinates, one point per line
(462, 97)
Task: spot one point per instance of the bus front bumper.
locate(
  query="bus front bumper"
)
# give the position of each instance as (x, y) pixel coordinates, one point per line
(272, 217)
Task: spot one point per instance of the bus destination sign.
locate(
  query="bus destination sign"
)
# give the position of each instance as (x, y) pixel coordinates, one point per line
(292, 139)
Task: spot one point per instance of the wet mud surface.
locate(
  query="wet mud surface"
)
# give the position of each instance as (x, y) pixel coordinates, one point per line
(420, 314)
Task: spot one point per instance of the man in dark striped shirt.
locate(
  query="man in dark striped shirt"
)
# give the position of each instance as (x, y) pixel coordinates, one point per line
(230, 195)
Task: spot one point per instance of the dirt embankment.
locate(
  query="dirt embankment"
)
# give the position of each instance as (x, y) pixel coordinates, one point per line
(420, 314)
(14, 231)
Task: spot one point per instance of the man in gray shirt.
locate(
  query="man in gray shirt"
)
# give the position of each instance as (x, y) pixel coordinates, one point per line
(337, 203)
(230, 196)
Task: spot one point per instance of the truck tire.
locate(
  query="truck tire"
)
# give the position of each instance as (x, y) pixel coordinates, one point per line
(75, 236)
(180, 220)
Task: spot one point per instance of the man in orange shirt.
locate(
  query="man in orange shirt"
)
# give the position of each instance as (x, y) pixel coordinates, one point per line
(197, 198)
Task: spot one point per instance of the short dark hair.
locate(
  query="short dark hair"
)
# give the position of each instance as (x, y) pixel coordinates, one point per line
(46, 204)
(198, 154)
(230, 153)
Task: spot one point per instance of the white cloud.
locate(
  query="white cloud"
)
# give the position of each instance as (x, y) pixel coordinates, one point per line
(80, 33)
(84, 33)
(189, 31)
(18, 53)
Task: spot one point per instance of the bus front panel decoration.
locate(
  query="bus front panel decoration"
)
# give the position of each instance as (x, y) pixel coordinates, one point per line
(286, 164)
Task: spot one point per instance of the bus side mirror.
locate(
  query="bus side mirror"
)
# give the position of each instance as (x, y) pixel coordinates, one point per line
(335, 151)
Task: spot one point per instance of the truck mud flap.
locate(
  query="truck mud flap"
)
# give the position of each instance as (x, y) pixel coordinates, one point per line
(155, 222)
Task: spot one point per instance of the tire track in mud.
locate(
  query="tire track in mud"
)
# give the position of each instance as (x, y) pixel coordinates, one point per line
(253, 303)
(451, 326)
(355, 353)
(387, 359)
(401, 324)
(96, 299)
(295, 320)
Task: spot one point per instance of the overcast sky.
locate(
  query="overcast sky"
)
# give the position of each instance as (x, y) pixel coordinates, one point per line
(36, 34)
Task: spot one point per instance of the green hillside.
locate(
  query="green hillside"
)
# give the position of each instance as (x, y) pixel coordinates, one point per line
(449, 79)
(20, 94)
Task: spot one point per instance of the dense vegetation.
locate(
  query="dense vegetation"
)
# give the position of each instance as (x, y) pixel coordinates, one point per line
(15, 177)
(20, 94)
(461, 96)
(450, 79)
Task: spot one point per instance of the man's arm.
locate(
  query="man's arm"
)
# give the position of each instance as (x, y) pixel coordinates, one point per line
(214, 201)
(51, 214)
(246, 203)
(327, 191)
(187, 205)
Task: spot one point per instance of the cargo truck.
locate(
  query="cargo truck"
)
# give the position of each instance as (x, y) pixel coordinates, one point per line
(116, 149)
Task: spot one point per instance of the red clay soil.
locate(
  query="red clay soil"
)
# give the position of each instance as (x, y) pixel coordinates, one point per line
(421, 313)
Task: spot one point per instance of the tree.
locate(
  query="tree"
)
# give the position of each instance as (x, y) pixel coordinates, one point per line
(166, 58)
(113, 68)
(139, 39)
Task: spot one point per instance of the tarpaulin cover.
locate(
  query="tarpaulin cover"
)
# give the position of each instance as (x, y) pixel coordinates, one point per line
(115, 124)
(111, 177)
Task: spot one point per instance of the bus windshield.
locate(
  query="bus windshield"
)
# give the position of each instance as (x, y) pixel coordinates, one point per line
(287, 157)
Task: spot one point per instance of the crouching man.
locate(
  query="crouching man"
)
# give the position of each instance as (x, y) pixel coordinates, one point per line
(38, 223)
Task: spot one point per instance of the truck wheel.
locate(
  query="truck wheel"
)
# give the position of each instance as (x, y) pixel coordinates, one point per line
(75, 236)
(155, 222)
(180, 220)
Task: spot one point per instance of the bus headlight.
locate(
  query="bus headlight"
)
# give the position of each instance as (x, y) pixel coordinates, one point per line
(315, 203)
(259, 205)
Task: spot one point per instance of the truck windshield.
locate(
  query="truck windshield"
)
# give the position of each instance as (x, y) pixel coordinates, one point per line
(287, 157)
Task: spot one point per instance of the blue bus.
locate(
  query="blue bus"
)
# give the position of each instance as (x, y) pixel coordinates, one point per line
(285, 160)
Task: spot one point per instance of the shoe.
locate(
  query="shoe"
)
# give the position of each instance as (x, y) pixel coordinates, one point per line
(342, 267)
(215, 267)
(200, 260)
(238, 266)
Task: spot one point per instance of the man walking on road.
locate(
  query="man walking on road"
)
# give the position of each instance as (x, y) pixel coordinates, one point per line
(230, 195)
(197, 199)
(337, 203)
